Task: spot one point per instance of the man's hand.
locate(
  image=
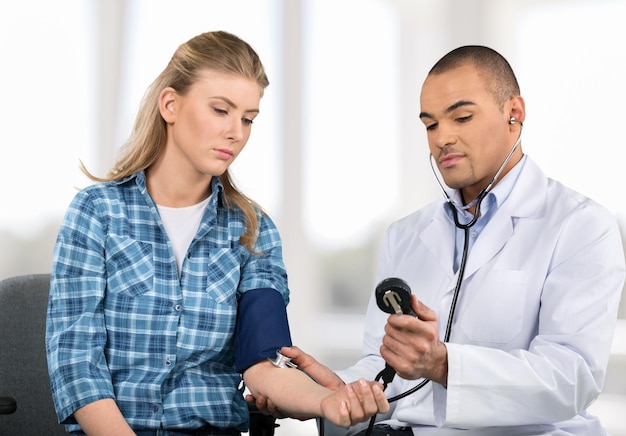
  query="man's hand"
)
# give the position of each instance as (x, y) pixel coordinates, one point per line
(412, 347)
(320, 373)
(265, 406)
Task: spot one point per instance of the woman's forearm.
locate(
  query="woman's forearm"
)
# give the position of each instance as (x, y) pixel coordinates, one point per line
(295, 394)
(102, 417)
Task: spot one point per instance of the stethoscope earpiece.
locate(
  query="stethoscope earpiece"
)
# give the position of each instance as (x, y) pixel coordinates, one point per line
(512, 120)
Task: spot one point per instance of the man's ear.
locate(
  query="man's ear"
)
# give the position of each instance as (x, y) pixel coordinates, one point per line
(167, 104)
(517, 108)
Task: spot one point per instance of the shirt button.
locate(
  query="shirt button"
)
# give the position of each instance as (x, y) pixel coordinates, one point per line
(178, 307)
(168, 362)
(474, 234)
(155, 408)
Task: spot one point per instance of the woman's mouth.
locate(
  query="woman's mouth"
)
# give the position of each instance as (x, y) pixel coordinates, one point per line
(223, 153)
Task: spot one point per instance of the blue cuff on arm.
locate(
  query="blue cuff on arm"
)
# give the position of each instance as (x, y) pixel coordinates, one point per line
(262, 327)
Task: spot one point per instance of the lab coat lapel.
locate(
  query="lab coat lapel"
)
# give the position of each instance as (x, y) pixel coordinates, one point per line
(526, 198)
(498, 231)
(438, 237)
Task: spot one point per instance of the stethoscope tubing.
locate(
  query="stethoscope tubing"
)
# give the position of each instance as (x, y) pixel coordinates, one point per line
(457, 288)
(483, 193)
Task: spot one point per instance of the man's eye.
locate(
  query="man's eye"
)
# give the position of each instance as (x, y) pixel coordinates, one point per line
(431, 126)
(464, 119)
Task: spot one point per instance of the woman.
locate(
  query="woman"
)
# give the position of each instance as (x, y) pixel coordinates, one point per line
(168, 283)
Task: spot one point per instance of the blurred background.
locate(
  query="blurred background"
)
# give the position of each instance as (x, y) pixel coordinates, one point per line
(338, 151)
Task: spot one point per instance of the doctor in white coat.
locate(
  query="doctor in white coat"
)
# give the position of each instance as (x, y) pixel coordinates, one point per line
(530, 337)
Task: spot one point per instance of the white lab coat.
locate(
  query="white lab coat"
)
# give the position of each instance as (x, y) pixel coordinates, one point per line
(534, 321)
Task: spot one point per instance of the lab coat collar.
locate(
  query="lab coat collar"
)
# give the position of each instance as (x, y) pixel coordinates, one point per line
(526, 199)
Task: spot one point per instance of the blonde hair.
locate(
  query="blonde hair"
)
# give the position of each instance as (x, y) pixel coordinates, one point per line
(219, 51)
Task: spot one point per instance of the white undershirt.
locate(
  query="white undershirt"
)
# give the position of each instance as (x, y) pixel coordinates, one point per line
(181, 225)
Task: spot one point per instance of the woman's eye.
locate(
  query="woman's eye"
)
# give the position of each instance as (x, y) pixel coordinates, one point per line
(220, 111)
(247, 121)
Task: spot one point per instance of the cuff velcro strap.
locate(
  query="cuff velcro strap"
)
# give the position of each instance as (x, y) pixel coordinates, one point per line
(262, 327)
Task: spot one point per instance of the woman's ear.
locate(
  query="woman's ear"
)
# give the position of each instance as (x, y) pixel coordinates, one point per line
(167, 104)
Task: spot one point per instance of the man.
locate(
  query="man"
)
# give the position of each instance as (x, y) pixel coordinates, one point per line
(528, 344)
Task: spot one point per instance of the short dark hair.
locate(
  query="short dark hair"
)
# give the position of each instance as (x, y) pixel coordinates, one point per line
(500, 77)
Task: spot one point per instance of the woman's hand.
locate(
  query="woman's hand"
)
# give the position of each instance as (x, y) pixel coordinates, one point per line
(355, 402)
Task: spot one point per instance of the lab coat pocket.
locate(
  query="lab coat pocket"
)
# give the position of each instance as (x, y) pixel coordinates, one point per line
(130, 266)
(493, 308)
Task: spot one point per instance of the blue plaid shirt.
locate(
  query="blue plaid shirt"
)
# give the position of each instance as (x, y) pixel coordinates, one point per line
(123, 325)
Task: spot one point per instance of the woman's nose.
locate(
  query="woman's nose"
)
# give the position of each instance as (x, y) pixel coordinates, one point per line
(235, 129)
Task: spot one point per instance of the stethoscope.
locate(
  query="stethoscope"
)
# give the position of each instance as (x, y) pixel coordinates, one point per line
(466, 226)
(466, 235)
(285, 362)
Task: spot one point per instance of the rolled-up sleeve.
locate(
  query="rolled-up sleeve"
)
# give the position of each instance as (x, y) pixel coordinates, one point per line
(265, 269)
(75, 333)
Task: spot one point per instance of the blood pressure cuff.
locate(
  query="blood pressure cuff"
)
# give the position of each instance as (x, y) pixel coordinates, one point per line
(262, 327)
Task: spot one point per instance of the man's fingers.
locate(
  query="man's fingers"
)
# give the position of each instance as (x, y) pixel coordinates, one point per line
(422, 311)
(292, 351)
(271, 407)
(297, 356)
(259, 402)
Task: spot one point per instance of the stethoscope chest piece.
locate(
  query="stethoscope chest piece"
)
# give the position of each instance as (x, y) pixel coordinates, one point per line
(282, 361)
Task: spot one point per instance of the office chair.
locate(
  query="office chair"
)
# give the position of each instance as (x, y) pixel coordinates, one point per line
(261, 424)
(26, 407)
(23, 365)
(7, 405)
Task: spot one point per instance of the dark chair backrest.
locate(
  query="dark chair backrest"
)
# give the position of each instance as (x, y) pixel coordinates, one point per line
(24, 368)
(23, 365)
